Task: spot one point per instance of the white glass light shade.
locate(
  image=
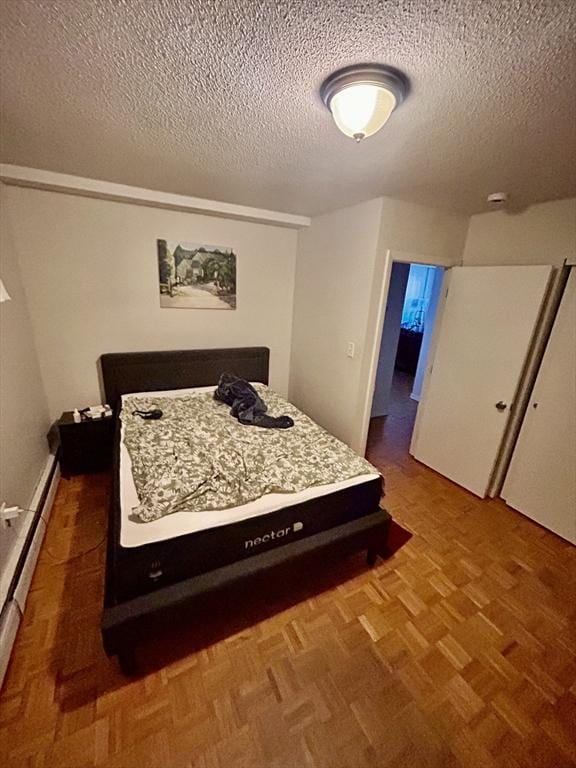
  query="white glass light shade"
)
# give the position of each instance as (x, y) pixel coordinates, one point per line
(361, 109)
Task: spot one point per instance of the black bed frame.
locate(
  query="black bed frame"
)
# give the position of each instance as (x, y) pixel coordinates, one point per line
(126, 620)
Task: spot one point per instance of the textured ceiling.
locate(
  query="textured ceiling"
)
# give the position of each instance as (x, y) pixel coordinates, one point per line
(219, 98)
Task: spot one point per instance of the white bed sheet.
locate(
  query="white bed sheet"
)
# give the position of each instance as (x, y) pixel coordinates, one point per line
(134, 533)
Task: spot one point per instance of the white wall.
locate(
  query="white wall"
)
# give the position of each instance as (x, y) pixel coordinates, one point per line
(24, 418)
(343, 267)
(436, 235)
(541, 234)
(90, 271)
(336, 258)
(389, 341)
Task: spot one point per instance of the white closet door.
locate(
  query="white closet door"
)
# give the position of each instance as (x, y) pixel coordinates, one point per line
(541, 480)
(486, 328)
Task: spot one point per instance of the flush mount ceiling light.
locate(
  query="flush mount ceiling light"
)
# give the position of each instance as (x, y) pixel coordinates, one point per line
(362, 98)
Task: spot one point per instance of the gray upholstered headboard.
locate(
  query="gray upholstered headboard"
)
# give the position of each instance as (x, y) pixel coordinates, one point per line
(125, 372)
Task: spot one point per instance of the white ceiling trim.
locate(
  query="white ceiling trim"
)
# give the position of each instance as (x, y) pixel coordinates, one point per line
(20, 176)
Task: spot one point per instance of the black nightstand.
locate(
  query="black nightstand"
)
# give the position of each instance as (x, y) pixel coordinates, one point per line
(85, 446)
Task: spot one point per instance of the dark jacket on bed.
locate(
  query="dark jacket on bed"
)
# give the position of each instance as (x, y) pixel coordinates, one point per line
(247, 405)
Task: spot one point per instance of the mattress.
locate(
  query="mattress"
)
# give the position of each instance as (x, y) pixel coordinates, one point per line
(135, 533)
(145, 557)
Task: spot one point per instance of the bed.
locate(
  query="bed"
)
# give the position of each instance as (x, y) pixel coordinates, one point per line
(171, 566)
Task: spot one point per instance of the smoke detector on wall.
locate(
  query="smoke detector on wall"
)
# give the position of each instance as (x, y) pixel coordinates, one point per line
(497, 199)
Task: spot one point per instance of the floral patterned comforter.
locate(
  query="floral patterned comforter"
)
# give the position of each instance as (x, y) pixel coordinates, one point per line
(198, 457)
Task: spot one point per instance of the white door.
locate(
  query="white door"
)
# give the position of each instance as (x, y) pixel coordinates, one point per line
(541, 480)
(485, 331)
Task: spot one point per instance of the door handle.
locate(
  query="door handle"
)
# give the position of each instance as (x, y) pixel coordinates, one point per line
(500, 406)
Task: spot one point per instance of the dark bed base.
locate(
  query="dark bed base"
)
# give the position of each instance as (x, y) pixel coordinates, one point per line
(124, 624)
(152, 567)
(336, 524)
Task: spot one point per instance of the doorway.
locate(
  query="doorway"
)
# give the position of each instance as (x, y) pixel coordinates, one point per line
(411, 310)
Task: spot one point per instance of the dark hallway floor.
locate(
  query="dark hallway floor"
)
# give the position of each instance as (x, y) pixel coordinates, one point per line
(389, 436)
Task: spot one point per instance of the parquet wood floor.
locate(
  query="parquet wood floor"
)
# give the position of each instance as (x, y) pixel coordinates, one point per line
(459, 651)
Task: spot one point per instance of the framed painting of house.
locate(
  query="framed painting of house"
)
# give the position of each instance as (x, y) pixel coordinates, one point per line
(195, 276)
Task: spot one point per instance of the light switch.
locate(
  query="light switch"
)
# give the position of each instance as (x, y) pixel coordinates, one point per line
(350, 349)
